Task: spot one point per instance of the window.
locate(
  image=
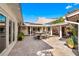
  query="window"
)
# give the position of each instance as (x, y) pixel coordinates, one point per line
(2, 32)
(2, 18)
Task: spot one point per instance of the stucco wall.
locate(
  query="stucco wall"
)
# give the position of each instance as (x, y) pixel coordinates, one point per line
(6, 11)
(25, 30)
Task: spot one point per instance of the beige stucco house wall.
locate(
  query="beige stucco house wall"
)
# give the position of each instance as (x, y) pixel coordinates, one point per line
(24, 30)
(12, 13)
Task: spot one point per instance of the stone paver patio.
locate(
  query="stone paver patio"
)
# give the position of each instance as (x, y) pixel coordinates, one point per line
(30, 47)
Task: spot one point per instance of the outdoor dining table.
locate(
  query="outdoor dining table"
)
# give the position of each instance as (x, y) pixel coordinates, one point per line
(39, 35)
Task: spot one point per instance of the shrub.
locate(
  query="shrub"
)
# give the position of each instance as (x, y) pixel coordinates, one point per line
(20, 36)
(60, 20)
(71, 42)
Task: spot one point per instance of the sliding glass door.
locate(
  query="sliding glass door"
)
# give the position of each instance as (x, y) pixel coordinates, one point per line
(2, 32)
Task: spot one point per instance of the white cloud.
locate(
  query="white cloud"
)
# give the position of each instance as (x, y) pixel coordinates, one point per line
(67, 7)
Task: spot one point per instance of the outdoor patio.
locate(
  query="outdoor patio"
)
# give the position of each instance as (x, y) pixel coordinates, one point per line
(31, 47)
(59, 47)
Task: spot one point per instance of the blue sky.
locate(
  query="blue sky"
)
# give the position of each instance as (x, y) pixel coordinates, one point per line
(31, 11)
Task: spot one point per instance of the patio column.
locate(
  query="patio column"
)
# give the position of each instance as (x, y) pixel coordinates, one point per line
(45, 28)
(60, 32)
(51, 31)
(30, 30)
(78, 37)
(42, 29)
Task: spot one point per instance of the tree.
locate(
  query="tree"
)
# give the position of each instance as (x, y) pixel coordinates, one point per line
(60, 20)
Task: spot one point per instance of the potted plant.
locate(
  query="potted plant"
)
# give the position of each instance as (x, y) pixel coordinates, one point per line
(20, 36)
(71, 40)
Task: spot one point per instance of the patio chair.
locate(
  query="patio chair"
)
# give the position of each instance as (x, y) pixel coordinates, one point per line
(37, 36)
(43, 36)
(47, 34)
